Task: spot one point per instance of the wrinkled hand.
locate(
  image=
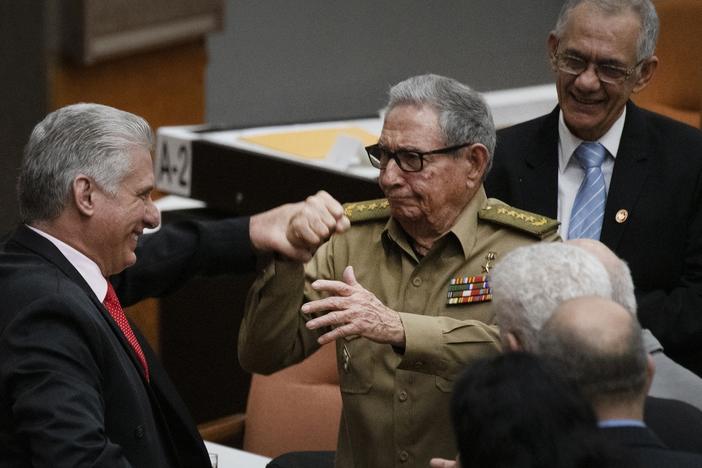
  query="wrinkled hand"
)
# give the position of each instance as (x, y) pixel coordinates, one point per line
(296, 230)
(353, 310)
(443, 463)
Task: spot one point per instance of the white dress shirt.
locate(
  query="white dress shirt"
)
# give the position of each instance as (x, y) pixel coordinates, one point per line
(571, 174)
(87, 268)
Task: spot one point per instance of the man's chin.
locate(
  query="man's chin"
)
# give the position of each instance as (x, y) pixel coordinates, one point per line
(581, 123)
(128, 261)
(405, 214)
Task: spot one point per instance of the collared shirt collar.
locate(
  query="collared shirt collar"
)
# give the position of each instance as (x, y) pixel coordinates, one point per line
(464, 228)
(621, 423)
(570, 142)
(87, 268)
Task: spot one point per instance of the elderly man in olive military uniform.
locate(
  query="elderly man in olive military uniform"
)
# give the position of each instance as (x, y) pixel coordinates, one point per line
(404, 293)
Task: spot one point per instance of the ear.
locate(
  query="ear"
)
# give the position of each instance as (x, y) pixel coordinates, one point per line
(511, 342)
(650, 371)
(648, 69)
(478, 157)
(552, 47)
(84, 193)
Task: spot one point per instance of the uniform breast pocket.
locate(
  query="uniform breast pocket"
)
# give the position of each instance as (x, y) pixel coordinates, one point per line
(355, 363)
(443, 384)
(464, 344)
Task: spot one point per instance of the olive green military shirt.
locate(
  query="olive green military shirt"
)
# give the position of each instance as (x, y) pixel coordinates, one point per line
(395, 403)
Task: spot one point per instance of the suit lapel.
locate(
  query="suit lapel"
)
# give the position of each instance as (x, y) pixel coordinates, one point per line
(539, 184)
(630, 171)
(43, 247)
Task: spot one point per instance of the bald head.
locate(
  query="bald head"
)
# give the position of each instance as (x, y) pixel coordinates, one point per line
(596, 322)
(617, 270)
(597, 344)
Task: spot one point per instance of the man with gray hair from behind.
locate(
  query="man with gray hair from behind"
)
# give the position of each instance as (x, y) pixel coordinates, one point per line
(671, 379)
(530, 282)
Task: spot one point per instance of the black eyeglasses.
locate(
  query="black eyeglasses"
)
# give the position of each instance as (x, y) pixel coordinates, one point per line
(574, 65)
(408, 161)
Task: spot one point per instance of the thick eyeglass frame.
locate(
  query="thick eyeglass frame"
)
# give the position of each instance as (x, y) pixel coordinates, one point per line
(404, 158)
(583, 65)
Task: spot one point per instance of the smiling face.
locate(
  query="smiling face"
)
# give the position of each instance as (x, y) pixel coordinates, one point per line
(431, 199)
(589, 106)
(120, 219)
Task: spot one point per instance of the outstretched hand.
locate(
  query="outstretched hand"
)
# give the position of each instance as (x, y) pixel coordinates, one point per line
(296, 230)
(351, 309)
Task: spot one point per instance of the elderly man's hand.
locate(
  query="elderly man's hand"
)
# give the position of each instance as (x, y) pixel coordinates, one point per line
(296, 230)
(353, 310)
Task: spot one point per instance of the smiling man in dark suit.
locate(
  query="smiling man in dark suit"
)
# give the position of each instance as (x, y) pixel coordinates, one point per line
(645, 193)
(78, 386)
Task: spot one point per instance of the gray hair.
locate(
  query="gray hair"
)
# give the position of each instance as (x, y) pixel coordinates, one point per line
(530, 282)
(622, 285)
(617, 271)
(611, 371)
(90, 139)
(463, 114)
(643, 8)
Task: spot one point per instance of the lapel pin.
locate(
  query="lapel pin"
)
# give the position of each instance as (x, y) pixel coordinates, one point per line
(621, 216)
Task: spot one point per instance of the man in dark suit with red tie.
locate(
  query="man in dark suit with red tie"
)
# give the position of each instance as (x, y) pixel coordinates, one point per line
(78, 385)
(649, 181)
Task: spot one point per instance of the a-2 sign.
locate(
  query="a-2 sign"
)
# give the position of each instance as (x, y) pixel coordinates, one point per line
(173, 164)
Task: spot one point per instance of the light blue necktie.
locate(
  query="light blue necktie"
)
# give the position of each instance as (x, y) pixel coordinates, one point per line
(588, 208)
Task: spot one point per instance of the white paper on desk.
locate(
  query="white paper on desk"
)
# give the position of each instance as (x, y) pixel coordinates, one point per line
(347, 151)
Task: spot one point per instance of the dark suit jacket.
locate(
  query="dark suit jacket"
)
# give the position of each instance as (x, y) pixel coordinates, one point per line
(657, 178)
(72, 393)
(647, 450)
(677, 423)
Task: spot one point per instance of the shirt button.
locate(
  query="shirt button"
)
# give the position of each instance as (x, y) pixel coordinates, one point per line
(404, 456)
(417, 281)
(139, 432)
(402, 396)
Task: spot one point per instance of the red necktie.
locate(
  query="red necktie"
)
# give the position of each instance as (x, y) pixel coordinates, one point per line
(112, 304)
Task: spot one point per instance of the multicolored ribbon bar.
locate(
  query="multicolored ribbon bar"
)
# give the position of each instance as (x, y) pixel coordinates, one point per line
(470, 292)
(466, 289)
(464, 300)
(463, 287)
(469, 279)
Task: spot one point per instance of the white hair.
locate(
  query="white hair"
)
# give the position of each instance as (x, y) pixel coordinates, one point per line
(530, 282)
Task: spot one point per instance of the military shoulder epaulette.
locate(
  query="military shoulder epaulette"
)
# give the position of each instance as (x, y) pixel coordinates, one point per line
(367, 210)
(505, 215)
